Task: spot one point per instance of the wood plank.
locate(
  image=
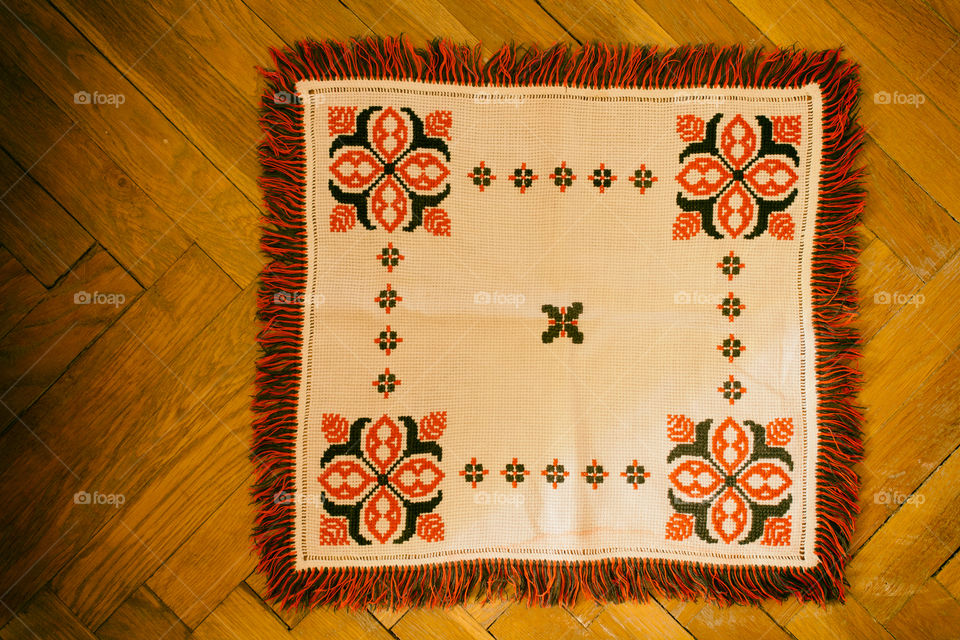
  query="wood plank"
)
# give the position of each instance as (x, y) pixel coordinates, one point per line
(734, 622)
(624, 22)
(115, 390)
(682, 610)
(228, 35)
(898, 461)
(885, 284)
(927, 236)
(949, 576)
(340, 624)
(948, 11)
(212, 561)
(633, 620)
(422, 20)
(932, 61)
(487, 612)
(137, 136)
(19, 291)
(914, 542)
(132, 547)
(201, 450)
(586, 610)
(836, 620)
(388, 616)
(905, 136)
(72, 316)
(220, 121)
(295, 21)
(66, 162)
(930, 613)
(716, 22)
(142, 615)
(241, 615)
(257, 582)
(439, 623)
(244, 615)
(35, 228)
(47, 618)
(520, 621)
(911, 346)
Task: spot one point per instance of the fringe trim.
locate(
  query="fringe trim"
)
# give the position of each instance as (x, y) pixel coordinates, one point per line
(835, 302)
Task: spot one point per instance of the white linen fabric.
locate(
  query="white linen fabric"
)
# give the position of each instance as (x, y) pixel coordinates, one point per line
(726, 437)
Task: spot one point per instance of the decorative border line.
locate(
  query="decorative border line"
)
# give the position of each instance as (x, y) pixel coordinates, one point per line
(835, 304)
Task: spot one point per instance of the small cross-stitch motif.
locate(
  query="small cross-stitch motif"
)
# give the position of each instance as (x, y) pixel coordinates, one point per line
(562, 322)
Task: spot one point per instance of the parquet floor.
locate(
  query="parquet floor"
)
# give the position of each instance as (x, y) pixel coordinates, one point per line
(143, 198)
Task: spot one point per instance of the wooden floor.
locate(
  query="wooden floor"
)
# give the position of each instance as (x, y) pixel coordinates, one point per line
(128, 170)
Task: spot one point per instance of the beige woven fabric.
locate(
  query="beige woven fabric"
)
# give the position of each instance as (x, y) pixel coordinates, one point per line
(650, 367)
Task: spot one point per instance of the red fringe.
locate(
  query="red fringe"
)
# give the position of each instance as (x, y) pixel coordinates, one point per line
(546, 582)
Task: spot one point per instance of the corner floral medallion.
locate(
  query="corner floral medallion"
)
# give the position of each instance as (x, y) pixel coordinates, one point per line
(727, 483)
(736, 181)
(389, 169)
(384, 478)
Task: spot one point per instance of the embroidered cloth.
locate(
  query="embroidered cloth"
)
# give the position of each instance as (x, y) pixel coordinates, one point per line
(572, 321)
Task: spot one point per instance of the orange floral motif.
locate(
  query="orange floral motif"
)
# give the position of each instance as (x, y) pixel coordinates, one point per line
(727, 482)
(736, 177)
(390, 168)
(380, 482)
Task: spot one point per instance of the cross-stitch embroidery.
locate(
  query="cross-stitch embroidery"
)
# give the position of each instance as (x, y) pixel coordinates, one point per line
(562, 322)
(381, 480)
(736, 179)
(389, 167)
(730, 481)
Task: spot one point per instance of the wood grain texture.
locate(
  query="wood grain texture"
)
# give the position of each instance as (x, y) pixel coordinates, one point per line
(169, 168)
(156, 199)
(35, 228)
(143, 615)
(203, 571)
(72, 315)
